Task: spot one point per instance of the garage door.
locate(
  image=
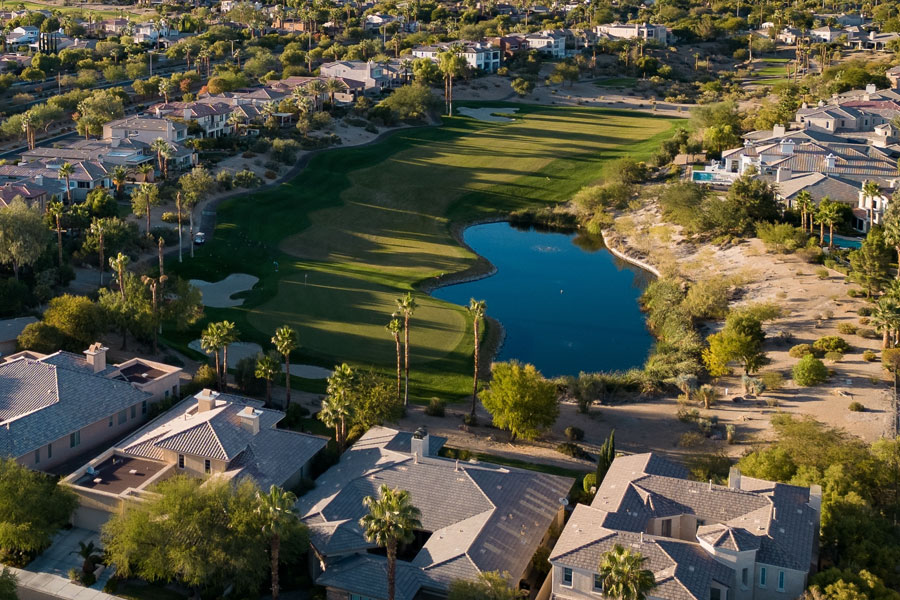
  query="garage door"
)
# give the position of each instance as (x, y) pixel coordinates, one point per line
(90, 518)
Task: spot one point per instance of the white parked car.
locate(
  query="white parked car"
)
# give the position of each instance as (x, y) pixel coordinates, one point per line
(200, 238)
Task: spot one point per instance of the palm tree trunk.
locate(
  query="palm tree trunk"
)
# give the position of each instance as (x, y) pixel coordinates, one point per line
(831, 235)
(822, 233)
(400, 364)
(897, 248)
(391, 567)
(191, 218)
(59, 241)
(475, 382)
(225, 368)
(148, 217)
(178, 210)
(268, 392)
(276, 548)
(287, 380)
(218, 372)
(406, 353)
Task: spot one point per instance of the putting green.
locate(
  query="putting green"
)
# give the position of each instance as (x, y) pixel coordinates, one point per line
(362, 226)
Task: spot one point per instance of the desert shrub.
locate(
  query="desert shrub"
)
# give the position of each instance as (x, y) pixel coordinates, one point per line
(809, 371)
(867, 333)
(781, 237)
(831, 343)
(856, 407)
(864, 321)
(869, 356)
(730, 433)
(772, 380)
(855, 293)
(225, 180)
(435, 408)
(691, 439)
(847, 328)
(589, 481)
(270, 174)
(708, 299)
(574, 434)
(688, 415)
(801, 350)
(246, 178)
(822, 273)
(864, 311)
(573, 450)
(470, 420)
(205, 377)
(834, 356)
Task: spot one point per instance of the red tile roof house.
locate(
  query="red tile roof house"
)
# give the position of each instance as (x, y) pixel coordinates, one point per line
(55, 407)
(207, 435)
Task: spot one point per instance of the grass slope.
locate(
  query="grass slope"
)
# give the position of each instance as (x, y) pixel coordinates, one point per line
(361, 226)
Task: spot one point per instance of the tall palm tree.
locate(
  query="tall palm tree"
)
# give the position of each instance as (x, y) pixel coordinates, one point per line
(56, 210)
(119, 178)
(392, 520)
(160, 146)
(476, 309)
(884, 318)
(829, 214)
(211, 343)
(277, 511)
(890, 220)
(624, 576)
(178, 216)
(267, 367)
(395, 326)
(143, 199)
(155, 284)
(285, 340)
(406, 306)
(98, 228)
(66, 171)
(230, 335)
(316, 89)
(819, 218)
(870, 191)
(806, 206)
(333, 86)
(146, 170)
(119, 263)
(337, 408)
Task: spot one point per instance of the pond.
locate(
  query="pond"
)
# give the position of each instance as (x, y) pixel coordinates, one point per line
(566, 303)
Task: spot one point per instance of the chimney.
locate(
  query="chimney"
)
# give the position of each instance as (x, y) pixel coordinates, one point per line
(250, 419)
(96, 356)
(187, 114)
(787, 147)
(821, 103)
(815, 497)
(206, 400)
(783, 174)
(734, 478)
(420, 443)
(829, 162)
(778, 130)
(871, 88)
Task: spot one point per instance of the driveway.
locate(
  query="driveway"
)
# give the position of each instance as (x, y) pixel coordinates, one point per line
(51, 569)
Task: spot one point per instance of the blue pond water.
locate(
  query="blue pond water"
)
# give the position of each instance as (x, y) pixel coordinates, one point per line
(566, 308)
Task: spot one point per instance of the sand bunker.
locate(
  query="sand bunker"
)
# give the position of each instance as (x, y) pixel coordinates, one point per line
(219, 294)
(488, 114)
(239, 350)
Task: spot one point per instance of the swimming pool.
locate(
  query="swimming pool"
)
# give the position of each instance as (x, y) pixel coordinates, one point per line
(845, 242)
(703, 176)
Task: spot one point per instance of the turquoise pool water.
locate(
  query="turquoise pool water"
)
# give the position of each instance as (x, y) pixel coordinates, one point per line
(703, 176)
(566, 306)
(845, 242)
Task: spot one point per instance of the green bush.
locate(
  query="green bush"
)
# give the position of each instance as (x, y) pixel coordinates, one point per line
(834, 356)
(810, 371)
(574, 434)
(864, 311)
(589, 481)
(205, 377)
(691, 439)
(435, 408)
(782, 237)
(573, 450)
(869, 356)
(857, 407)
(866, 333)
(822, 273)
(847, 328)
(831, 343)
(801, 350)
(772, 380)
(855, 293)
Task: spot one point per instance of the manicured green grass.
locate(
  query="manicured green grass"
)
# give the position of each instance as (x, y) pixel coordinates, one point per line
(85, 8)
(362, 226)
(616, 82)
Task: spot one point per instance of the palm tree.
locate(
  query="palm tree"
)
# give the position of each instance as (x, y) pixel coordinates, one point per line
(806, 206)
(236, 121)
(890, 221)
(451, 65)
(285, 340)
(146, 170)
(395, 326)
(66, 171)
(829, 213)
(155, 284)
(884, 318)
(267, 367)
(178, 216)
(160, 146)
(870, 191)
(333, 86)
(392, 520)
(337, 408)
(211, 343)
(118, 263)
(98, 228)
(230, 335)
(143, 198)
(277, 511)
(476, 309)
(90, 555)
(624, 576)
(119, 178)
(56, 210)
(820, 219)
(406, 306)
(316, 89)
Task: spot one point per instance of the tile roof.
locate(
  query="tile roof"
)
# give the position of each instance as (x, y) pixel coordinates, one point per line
(481, 517)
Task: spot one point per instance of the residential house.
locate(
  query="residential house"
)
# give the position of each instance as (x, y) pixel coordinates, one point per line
(9, 332)
(749, 540)
(129, 152)
(551, 42)
(114, 26)
(23, 36)
(827, 34)
(210, 117)
(28, 190)
(207, 435)
(145, 129)
(373, 78)
(630, 31)
(14, 61)
(375, 21)
(483, 56)
(55, 407)
(87, 175)
(261, 96)
(476, 517)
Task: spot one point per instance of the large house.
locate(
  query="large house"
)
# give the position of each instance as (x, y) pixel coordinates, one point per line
(640, 31)
(207, 435)
(145, 129)
(475, 517)
(483, 56)
(44, 172)
(55, 407)
(211, 117)
(749, 540)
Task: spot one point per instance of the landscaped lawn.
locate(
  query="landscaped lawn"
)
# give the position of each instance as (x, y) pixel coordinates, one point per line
(85, 8)
(616, 82)
(362, 226)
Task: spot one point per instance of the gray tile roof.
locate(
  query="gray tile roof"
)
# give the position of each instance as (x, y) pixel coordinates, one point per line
(481, 517)
(41, 402)
(366, 575)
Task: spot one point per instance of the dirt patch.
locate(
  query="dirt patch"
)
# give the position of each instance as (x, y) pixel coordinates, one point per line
(491, 115)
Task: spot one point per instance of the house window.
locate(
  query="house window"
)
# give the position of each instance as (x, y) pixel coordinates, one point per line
(144, 407)
(49, 451)
(166, 395)
(598, 583)
(123, 417)
(206, 466)
(134, 411)
(74, 439)
(84, 185)
(37, 456)
(667, 528)
(715, 594)
(745, 577)
(567, 577)
(762, 577)
(181, 461)
(110, 420)
(780, 581)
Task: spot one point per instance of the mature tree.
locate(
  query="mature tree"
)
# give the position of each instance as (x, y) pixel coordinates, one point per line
(277, 511)
(489, 585)
(95, 111)
(606, 456)
(163, 153)
(809, 371)
(119, 179)
(230, 335)
(476, 309)
(155, 285)
(143, 199)
(406, 306)
(522, 86)
(267, 368)
(23, 235)
(130, 309)
(829, 214)
(285, 341)
(392, 520)
(77, 318)
(394, 327)
(520, 400)
(374, 401)
(8, 584)
(806, 206)
(623, 575)
(451, 65)
(870, 265)
(65, 172)
(56, 210)
(740, 340)
(212, 342)
(337, 408)
(32, 509)
(891, 223)
(196, 185)
(721, 137)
